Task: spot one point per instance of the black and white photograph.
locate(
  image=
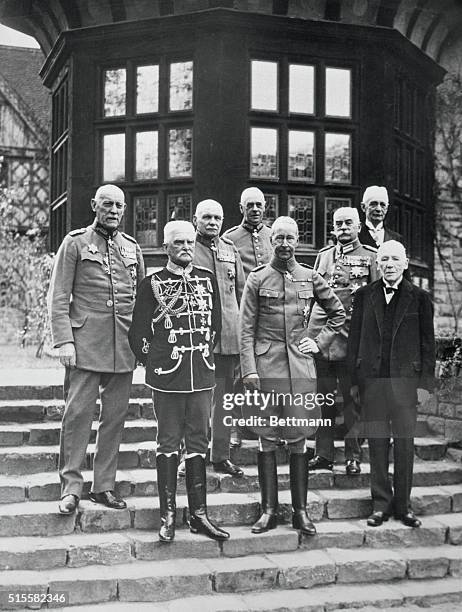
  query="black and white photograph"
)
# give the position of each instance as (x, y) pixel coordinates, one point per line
(231, 305)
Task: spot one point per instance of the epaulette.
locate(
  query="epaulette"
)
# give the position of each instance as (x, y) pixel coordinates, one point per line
(227, 240)
(76, 232)
(326, 248)
(260, 267)
(231, 229)
(369, 248)
(128, 237)
(305, 265)
(203, 268)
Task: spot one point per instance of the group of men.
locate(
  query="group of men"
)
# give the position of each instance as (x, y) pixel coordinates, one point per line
(233, 310)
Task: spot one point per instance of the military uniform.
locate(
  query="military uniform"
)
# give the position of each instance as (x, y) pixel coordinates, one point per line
(275, 311)
(91, 300)
(175, 323)
(220, 256)
(346, 268)
(253, 244)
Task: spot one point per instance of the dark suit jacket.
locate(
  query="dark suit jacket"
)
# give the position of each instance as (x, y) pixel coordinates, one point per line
(365, 237)
(412, 358)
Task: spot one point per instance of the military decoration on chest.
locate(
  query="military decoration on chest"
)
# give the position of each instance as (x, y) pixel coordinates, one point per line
(189, 297)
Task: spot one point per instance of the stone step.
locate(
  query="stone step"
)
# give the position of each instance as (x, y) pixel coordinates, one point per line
(43, 410)
(28, 459)
(318, 599)
(159, 581)
(115, 547)
(45, 486)
(47, 433)
(41, 518)
(47, 392)
(52, 409)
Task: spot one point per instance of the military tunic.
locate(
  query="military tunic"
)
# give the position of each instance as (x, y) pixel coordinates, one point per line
(175, 322)
(345, 271)
(275, 311)
(252, 243)
(92, 296)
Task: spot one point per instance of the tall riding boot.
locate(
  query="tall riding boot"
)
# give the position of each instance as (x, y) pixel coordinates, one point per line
(299, 491)
(199, 522)
(268, 480)
(166, 485)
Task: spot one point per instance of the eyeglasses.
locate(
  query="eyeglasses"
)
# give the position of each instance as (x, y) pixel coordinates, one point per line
(280, 239)
(375, 204)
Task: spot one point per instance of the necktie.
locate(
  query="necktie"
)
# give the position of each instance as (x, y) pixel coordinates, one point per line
(390, 289)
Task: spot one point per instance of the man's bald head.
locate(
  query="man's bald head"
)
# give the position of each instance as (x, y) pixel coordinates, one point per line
(286, 222)
(110, 191)
(208, 205)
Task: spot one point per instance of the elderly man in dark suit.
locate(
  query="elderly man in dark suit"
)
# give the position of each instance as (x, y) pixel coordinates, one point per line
(391, 352)
(375, 207)
(91, 300)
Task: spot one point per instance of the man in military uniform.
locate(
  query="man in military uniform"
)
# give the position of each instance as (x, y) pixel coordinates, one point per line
(252, 240)
(251, 237)
(91, 299)
(221, 256)
(175, 325)
(346, 267)
(276, 356)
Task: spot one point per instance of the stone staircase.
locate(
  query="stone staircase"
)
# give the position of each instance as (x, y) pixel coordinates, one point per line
(111, 560)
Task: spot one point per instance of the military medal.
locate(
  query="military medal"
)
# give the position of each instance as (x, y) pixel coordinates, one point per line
(289, 276)
(107, 268)
(92, 248)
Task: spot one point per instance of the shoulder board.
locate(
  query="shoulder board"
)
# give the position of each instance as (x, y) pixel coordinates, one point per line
(369, 248)
(305, 265)
(326, 248)
(128, 237)
(227, 240)
(231, 229)
(258, 268)
(203, 268)
(76, 232)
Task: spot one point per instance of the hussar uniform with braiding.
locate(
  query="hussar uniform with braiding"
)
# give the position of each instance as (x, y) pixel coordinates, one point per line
(176, 319)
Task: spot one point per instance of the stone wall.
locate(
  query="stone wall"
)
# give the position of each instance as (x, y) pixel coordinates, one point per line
(444, 409)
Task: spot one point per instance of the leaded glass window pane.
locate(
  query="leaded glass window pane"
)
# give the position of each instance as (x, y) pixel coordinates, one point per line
(271, 208)
(179, 207)
(146, 219)
(146, 155)
(338, 158)
(115, 92)
(147, 89)
(181, 86)
(301, 89)
(301, 209)
(331, 205)
(114, 157)
(264, 85)
(264, 153)
(301, 156)
(338, 92)
(180, 152)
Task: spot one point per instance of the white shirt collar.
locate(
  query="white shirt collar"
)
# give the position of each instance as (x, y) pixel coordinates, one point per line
(374, 228)
(396, 285)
